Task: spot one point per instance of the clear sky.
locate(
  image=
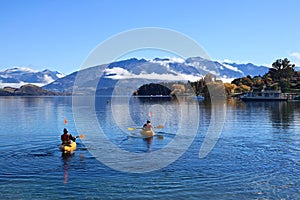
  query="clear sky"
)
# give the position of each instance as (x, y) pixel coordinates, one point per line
(59, 34)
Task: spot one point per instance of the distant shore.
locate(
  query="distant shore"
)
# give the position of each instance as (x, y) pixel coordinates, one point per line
(29, 90)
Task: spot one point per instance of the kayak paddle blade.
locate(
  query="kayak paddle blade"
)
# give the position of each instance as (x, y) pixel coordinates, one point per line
(81, 136)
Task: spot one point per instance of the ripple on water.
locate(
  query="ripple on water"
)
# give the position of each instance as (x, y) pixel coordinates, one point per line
(253, 159)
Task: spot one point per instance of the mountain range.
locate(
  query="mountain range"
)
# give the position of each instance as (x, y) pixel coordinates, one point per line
(107, 75)
(18, 76)
(155, 70)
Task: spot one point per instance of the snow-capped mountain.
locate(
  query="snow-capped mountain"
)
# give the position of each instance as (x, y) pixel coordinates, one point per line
(247, 69)
(18, 76)
(155, 70)
(179, 69)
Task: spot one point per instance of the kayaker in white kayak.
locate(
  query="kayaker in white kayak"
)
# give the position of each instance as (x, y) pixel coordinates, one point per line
(67, 138)
(148, 126)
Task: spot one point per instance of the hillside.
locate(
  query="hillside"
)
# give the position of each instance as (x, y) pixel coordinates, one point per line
(27, 90)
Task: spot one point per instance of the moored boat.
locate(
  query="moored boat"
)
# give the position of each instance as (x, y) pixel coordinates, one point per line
(265, 95)
(68, 148)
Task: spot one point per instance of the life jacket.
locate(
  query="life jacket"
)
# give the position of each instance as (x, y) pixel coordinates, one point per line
(65, 138)
(148, 127)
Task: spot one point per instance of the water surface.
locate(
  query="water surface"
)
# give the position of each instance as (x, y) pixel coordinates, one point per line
(256, 157)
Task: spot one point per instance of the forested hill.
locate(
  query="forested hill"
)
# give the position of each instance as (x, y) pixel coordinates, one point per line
(153, 89)
(28, 90)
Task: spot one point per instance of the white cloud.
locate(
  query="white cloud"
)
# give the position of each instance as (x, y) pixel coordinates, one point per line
(227, 61)
(233, 61)
(296, 56)
(24, 69)
(18, 85)
(226, 80)
(232, 68)
(178, 60)
(120, 73)
(167, 62)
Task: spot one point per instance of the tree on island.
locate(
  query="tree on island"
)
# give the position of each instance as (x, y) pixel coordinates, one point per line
(153, 89)
(282, 69)
(281, 76)
(281, 72)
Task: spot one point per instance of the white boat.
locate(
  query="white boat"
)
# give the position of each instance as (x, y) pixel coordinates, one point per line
(265, 95)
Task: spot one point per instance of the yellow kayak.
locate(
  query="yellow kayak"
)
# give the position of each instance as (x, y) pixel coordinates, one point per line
(147, 133)
(68, 148)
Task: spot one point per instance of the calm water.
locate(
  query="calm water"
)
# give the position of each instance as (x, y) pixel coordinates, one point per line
(256, 157)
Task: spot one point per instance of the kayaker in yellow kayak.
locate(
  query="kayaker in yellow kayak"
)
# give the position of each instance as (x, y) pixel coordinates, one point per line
(148, 126)
(147, 129)
(67, 138)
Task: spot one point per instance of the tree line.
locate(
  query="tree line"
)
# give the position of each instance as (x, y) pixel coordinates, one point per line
(281, 76)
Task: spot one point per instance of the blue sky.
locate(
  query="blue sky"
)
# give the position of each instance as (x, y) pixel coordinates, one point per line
(60, 34)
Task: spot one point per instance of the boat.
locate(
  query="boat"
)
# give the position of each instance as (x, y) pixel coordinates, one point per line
(265, 95)
(297, 98)
(147, 133)
(68, 148)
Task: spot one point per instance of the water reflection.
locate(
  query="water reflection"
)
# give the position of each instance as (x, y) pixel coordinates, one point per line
(149, 142)
(280, 113)
(65, 158)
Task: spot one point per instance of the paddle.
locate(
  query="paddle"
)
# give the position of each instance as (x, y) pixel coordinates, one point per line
(81, 136)
(132, 129)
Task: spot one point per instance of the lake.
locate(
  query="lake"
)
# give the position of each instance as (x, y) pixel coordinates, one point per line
(256, 153)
